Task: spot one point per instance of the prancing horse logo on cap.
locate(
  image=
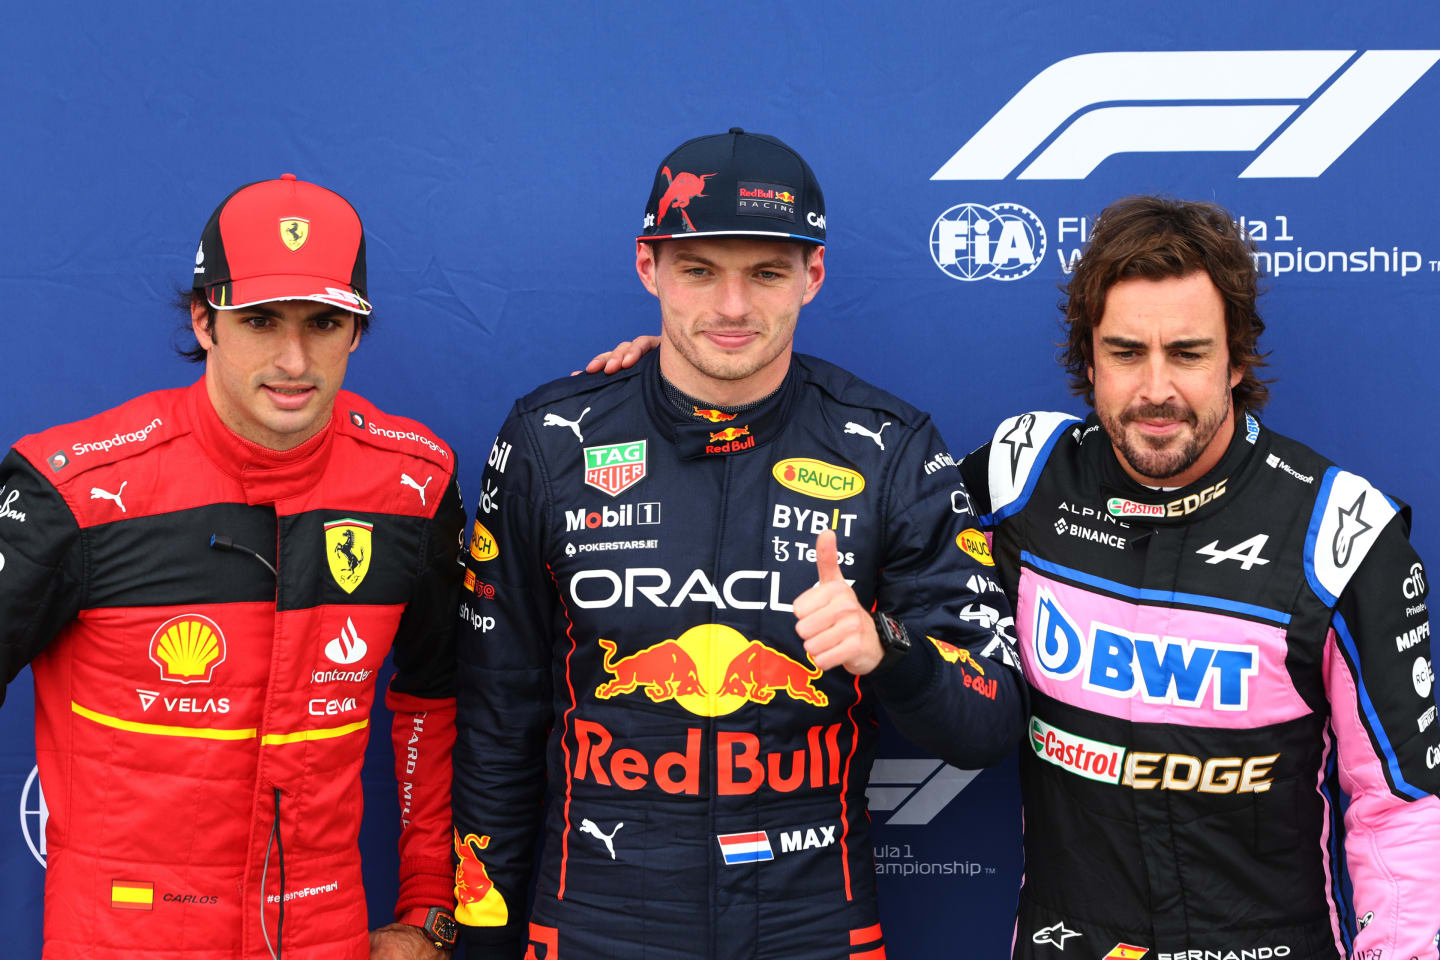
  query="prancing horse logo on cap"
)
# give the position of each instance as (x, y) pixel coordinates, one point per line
(294, 231)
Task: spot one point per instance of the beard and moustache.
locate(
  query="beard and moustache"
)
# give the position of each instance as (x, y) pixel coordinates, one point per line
(1160, 458)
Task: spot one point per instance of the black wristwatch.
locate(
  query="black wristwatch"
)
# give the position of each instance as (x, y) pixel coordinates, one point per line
(438, 926)
(893, 640)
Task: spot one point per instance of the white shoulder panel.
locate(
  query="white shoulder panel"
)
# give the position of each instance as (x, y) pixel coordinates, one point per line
(1344, 526)
(1015, 452)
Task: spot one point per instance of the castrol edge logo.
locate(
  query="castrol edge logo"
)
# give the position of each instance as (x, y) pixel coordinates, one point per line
(1093, 759)
(816, 478)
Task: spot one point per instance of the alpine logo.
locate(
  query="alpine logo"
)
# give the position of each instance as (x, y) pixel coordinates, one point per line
(348, 647)
(1179, 101)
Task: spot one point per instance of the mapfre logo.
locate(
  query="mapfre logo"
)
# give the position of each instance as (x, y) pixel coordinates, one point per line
(1179, 101)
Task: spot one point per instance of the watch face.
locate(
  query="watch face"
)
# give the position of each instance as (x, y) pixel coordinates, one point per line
(444, 928)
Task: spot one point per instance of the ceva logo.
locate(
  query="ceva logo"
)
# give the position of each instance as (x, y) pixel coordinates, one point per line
(1319, 101)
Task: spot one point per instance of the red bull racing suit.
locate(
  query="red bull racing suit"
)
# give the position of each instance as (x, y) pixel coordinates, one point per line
(627, 630)
(1232, 703)
(202, 710)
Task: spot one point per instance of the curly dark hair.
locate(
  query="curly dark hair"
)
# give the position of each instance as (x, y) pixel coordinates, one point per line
(1155, 238)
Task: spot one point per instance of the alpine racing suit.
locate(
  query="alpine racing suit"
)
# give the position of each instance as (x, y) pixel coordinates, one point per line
(628, 629)
(1230, 684)
(202, 709)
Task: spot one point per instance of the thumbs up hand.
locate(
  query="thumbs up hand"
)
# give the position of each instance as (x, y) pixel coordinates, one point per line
(837, 631)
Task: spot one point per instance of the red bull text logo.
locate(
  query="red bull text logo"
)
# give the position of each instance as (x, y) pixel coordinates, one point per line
(728, 440)
(710, 670)
(714, 416)
(953, 654)
(740, 766)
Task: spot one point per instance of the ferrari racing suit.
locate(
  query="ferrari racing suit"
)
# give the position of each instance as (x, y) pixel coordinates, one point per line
(1230, 684)
(205, 619)
(627, 629)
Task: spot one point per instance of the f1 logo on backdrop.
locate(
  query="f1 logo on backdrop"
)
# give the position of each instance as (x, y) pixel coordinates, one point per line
(1184, 100)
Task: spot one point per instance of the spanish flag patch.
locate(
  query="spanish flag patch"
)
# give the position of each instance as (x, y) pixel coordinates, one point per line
(132, 895)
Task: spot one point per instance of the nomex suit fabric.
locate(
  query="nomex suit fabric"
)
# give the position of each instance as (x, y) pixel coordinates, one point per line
(627, 634)
(187, 696)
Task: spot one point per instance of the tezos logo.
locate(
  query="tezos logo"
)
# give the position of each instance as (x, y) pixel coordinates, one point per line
(971, 241)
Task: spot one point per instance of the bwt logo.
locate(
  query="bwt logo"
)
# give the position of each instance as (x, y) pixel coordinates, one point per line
(1160, 669)
(1184, 100)
(1003, 241)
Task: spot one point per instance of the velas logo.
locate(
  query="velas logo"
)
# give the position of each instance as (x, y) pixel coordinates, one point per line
(710, 670)
(1002, 241)
(615, 467)
(294, 231)
(714, 416)
(816, 478)
(683, 187)
(482, 543)
(1161, 115)
(188, 648)
(348, 549)
(974, 544)
(765, 200)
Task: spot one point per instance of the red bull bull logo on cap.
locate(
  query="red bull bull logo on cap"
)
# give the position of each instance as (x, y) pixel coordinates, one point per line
(710, 670)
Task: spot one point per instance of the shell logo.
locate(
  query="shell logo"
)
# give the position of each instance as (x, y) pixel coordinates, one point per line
(188, 648)
(816, 478)
(973, 542)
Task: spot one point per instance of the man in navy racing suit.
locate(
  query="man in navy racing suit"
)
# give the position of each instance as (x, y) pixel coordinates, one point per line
(1224, 635)
(643, 622)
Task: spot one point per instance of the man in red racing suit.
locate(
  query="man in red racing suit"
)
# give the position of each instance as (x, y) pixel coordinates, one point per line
(205, 582)
(1225, 636)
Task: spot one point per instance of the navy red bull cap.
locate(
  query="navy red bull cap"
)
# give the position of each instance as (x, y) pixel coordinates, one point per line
(735, 184)
(283, 240)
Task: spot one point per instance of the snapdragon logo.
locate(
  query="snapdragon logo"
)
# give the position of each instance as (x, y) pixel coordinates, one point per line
(1178, 101)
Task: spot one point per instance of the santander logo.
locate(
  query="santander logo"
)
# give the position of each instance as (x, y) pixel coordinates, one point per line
(348, 647)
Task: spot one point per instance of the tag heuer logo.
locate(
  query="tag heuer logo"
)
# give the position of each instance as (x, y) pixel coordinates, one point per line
(615, 467)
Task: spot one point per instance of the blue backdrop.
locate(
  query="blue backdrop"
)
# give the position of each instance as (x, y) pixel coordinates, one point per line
(501, 154)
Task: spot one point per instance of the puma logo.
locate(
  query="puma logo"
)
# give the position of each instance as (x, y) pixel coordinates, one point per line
(852, 427)
(409, 481)
(588, 826)
(555, 420)
(97, 494)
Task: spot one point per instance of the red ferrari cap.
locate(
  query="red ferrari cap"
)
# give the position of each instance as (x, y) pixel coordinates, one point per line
(283, 240)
